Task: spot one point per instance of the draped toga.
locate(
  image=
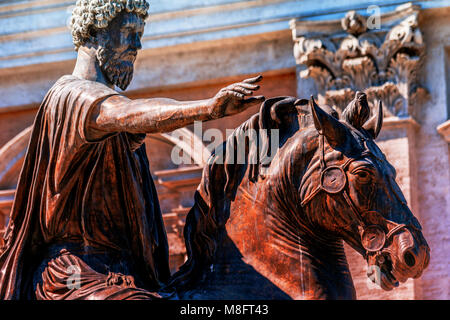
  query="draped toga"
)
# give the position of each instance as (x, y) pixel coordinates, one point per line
(85, 208)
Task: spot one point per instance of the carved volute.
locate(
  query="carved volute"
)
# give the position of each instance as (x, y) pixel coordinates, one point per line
(356, 54)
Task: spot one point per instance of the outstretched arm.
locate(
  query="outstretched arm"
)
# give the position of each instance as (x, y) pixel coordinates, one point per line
(120, 114)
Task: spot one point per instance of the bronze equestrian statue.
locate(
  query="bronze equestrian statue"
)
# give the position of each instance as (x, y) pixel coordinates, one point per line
(86, 222)
(275, 230)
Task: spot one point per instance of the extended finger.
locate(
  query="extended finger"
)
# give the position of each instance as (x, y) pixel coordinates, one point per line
(242, 90)
(253, 80)
(248, 85)
(236, 94)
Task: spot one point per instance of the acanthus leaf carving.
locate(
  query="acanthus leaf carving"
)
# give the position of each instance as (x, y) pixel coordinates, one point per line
(382, 62)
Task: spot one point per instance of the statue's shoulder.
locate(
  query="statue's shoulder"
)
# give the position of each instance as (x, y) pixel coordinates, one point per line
(68, 79)
(72, 81)
(85, 89)
(72, 93)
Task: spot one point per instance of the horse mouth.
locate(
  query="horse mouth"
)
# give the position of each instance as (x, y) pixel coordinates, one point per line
(383, 274)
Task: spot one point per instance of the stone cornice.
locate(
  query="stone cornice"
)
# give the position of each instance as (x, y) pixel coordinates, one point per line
(396, 122)
(302, 27)
(43, 23)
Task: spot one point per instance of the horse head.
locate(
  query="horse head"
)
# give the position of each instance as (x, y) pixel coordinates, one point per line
(273, 228)
(348, 189)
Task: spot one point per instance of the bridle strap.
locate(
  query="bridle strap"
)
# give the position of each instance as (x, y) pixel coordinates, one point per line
(356, 214)
(394, 230)
(352, 206)
(311, 196)
(323, 165)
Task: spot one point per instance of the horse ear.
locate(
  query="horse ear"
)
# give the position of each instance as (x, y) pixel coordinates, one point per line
(329, 126)
(280, 110)
(357, 111)
(270, 115)
(374, 124)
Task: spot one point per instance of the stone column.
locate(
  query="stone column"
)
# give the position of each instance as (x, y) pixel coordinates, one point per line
(380, 57)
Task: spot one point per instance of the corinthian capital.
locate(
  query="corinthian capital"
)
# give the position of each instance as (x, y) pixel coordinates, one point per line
(349, 55)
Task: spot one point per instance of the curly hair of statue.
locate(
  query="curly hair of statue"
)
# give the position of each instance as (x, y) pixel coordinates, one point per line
(89, 14)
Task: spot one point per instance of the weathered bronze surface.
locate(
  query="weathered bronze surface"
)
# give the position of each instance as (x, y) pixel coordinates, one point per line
(275, 231)
(86, 222)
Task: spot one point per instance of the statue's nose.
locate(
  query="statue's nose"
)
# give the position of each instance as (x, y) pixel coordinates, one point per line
(136, 43)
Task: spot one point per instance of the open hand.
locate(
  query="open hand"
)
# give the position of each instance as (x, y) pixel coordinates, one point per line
(234, 98)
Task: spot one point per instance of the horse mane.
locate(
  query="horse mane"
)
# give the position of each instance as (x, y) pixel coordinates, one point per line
(221, 178)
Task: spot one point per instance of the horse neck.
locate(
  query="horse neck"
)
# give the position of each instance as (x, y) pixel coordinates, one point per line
(286, 251)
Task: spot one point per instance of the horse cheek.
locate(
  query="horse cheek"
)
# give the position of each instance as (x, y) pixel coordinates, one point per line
(361, 194)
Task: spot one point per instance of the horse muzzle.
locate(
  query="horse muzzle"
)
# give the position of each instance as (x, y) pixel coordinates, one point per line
(406, 256)
(410, 255)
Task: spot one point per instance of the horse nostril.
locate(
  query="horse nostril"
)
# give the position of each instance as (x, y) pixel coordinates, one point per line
(409, 259)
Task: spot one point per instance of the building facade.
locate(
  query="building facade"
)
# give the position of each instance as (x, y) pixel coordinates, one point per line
(396, 51)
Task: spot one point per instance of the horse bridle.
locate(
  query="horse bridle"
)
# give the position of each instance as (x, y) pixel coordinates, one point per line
(333, 180)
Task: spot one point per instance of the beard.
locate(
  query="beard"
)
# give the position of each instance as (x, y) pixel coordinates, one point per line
(118, 70)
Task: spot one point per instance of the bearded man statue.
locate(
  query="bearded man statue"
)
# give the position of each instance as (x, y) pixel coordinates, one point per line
(86, 222)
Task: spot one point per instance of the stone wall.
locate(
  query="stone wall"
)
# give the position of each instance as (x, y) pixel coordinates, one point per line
(433, 154)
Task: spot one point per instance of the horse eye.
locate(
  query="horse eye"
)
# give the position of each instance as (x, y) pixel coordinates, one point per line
(363, 175)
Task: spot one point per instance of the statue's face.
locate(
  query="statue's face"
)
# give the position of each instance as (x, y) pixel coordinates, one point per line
(117, 47)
